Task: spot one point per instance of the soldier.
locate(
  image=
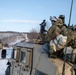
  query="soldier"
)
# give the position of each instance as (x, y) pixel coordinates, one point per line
(63, 18)
(43, 24)
(57, 28)
(66, 31)
(53, 20)
(54, 30)
(41, 36)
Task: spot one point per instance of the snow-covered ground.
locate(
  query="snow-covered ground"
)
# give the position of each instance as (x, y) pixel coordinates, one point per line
(17, 41)
(3, 66)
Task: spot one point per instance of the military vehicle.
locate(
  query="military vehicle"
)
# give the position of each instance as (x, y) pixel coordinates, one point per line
(33, 59)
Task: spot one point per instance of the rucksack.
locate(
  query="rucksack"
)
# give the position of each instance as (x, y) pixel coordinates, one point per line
(65, 31)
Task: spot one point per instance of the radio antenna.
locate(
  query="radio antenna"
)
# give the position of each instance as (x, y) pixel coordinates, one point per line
(63, 70)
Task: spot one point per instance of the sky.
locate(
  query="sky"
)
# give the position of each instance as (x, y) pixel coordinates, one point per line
(25, 15)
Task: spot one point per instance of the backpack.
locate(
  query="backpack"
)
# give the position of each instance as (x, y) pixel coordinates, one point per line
(65, 32)
(63, 29)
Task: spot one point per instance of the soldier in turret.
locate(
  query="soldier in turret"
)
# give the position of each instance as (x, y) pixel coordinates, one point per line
(42, 26)
(41, 36)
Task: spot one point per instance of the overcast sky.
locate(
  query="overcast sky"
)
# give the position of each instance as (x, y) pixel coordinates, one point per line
(24, 15)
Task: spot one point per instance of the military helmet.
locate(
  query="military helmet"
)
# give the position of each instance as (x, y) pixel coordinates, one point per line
(53, 19)
(62, 16)
(44, 20)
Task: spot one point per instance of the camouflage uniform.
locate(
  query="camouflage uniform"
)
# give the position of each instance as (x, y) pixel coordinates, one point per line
(54, 30)
(64, 30)
(61, 29)
(51, 32)
(67, 32)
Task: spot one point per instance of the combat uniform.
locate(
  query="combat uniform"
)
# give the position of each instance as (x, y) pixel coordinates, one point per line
(53, 31)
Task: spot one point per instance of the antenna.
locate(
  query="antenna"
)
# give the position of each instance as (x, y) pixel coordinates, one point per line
(63, 70)
(70, 13)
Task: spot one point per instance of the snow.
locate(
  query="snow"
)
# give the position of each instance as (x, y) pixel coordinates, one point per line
(17, 41)
(3, 35)
(3, 66)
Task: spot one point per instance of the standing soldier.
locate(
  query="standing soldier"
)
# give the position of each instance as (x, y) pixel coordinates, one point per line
(42, 30)
(42, 26)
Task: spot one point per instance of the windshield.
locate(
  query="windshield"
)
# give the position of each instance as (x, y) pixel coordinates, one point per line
(23, 57)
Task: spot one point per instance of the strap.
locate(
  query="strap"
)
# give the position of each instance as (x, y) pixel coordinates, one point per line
(57, 43)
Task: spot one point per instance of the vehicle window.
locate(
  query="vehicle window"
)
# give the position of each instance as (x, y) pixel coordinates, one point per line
(8, 53)
(14, 53)
(23, 57)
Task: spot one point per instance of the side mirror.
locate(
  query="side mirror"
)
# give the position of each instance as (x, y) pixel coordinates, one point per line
(3, 54)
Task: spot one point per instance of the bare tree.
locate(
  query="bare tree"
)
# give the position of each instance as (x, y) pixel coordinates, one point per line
(33, 34)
